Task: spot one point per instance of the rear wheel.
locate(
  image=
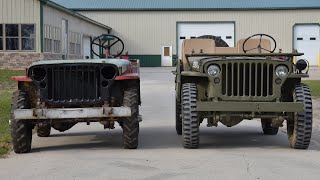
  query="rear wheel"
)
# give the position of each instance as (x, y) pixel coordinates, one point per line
(299, 124)
(43, 129)
(21, 131)
(267, 128)
(190, 120)
(178, 118)
(130, 125)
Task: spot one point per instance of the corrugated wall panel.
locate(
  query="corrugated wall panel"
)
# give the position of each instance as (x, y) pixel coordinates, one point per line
(54, 18)
(144, 32)
(22, 12)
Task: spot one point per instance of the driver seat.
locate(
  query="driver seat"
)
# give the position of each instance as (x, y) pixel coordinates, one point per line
(197, 46)
(253, 43)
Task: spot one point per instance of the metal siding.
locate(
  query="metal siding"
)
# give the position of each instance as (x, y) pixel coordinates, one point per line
(22, 12)
(54, 18)
(145, 32)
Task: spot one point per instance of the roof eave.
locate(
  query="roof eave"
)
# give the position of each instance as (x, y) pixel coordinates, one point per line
(73, 13)
(194, 9)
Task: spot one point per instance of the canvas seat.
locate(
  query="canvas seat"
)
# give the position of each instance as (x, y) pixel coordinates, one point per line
(189, 46)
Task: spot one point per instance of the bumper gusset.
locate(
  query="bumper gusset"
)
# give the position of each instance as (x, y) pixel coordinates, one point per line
(250, 106)
(72, 113)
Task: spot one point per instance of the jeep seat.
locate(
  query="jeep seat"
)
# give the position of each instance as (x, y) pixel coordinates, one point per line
(189, 46)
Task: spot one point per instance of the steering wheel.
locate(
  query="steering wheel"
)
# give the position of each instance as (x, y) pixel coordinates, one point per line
(106, 41)
(259, 47)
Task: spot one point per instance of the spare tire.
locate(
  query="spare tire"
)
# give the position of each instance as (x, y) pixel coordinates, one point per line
(219, 42)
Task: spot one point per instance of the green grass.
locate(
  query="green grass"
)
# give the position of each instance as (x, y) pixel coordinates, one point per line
(6, 88)
(5, 103)
(314, 85)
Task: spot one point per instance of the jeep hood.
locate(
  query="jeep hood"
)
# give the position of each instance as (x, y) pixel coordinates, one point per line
(122, 64)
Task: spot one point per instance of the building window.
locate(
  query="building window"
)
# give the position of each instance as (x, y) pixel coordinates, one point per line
(75, 43)
(47, 39)
(57, 40)
(78, 44)
(17, 37)
(1, 37)
(12, 37)
(27, 37)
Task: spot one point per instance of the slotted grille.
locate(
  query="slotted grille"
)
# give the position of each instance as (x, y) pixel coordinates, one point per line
(73, 83)
(247, 79)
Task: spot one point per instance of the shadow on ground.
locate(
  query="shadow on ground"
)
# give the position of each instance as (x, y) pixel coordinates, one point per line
(165, 137)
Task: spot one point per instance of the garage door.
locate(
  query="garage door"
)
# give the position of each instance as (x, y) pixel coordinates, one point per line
(307, 41)
(191, 30)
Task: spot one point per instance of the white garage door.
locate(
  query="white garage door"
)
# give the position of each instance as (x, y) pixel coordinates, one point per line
(307, 41)
(187, 30)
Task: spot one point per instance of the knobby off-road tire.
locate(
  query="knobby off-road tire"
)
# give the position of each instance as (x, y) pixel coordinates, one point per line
(267, 128)
(190, 120)
(21, 131)
(178, 118)
(43, 130)
(299, 126)
(130, 125)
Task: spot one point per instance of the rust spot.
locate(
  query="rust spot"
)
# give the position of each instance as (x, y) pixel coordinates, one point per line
(34, 113)
(111, 111)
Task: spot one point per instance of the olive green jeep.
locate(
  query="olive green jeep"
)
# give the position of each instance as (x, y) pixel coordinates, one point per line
(230, 84)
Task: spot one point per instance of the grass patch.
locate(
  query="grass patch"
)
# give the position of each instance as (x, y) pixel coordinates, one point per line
(314, 85)
(5, 106)
(6, 88)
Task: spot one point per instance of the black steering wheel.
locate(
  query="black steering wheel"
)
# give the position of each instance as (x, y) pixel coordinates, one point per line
(106, 41)
(259, 47)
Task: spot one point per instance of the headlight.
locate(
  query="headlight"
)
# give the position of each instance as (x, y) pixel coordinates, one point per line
(281, 71)
(213, 70)
(196, 65)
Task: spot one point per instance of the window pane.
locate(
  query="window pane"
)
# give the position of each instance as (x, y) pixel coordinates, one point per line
(27, 30)
(12, 30)
(27, 44)
(12, 43)
(1, 44)
(1, 30)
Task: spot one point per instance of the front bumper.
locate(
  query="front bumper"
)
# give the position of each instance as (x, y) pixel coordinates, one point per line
(72, 113)
(250, 106)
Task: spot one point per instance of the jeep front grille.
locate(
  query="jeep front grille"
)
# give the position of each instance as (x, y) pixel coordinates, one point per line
(247, 79)
(71, 84)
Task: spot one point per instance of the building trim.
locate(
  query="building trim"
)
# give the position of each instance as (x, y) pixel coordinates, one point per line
(41, 27)
(73, 13)
(195, 9)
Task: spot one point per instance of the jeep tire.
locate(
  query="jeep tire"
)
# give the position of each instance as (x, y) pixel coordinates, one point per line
(190, 119)
(178, 118)
(299, 124)
(267, 128)
(21, 131)
(130, 125)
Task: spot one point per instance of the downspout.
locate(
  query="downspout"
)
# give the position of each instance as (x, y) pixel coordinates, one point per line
(42, 3)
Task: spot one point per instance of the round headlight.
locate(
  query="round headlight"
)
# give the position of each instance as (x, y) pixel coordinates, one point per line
(196, 65)
(281, 71)
(213, 70)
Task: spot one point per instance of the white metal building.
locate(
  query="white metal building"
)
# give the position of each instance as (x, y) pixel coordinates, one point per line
(150, 29)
